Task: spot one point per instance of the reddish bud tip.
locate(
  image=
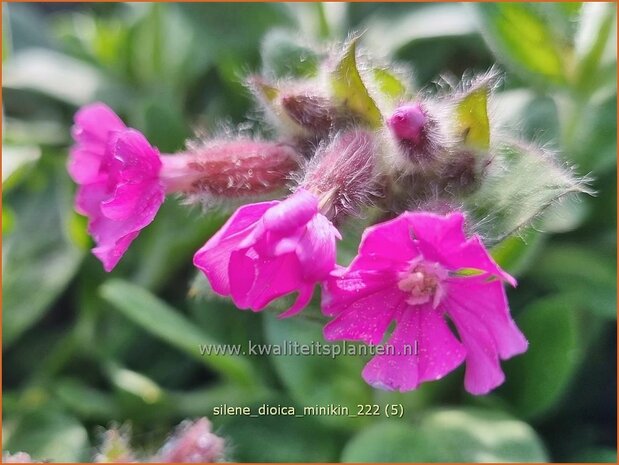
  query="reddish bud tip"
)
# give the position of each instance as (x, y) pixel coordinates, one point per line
(408, 122)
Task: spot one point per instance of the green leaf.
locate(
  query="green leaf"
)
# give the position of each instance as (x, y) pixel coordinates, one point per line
(586, 274)
(537, 379)
(392, 441)
(279, 438)
(472, 121)
(448, 435)
(521, 37)
(54, 74)
(521, 182)
(48, 434)
(15, 163)
(317, 380)
(595, 45)
(164, 248)
(164, 125)
(348, 87)
(38, 256)
(517, 253)
(389, 34)
(85, 401)
(213, 23)
(170, 325)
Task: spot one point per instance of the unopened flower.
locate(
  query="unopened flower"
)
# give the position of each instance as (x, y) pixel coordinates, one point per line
(193, 442)
(123, 180)
(344, 173)
(269, 249)
(229, 169)
(417, 132)
(418, 270)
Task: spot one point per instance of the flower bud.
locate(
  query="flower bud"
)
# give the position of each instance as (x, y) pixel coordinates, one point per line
(316, 114)
(416, 132)
(343, 173)
(311, 112)
(193, 442)
(230, 169)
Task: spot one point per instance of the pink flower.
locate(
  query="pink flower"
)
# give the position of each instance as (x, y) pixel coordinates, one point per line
(270, 249)
(118, 175)
(418, 270)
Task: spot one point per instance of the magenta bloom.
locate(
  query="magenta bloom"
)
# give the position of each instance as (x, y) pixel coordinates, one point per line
(418, 270)
(270, 249)
(118, 175)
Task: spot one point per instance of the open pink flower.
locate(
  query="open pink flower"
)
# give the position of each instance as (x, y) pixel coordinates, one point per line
(118, 175)
(418, 270)
(270, 249)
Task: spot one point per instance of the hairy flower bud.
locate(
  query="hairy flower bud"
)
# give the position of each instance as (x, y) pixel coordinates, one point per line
(193, 442)
(230, 169)
(416, 132)
(318, 115)
(343, 173)
(311, 112)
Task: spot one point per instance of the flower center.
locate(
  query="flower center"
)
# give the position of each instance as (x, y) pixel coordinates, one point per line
(423, 282)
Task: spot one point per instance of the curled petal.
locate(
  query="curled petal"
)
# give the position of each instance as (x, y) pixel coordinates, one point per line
(214, 256)
(487, 300)
(297, 210)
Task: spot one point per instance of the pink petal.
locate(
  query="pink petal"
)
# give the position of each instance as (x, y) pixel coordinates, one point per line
(363, 318)
(110, 253)
(344, 287)
(483, 371)
(114, 237)
(390, 240)
(84, 164)
(125, 200)
(488, 301)
(292, 213)
(214, 256)
(133, 158)
(94, 122)
(303, 299)
(89, 197)
(316, 248)
(438, 352)
(441, 239)
(272, 278)
(94, 125)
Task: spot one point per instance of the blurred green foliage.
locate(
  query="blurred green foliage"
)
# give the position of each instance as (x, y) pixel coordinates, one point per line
(83, 349)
